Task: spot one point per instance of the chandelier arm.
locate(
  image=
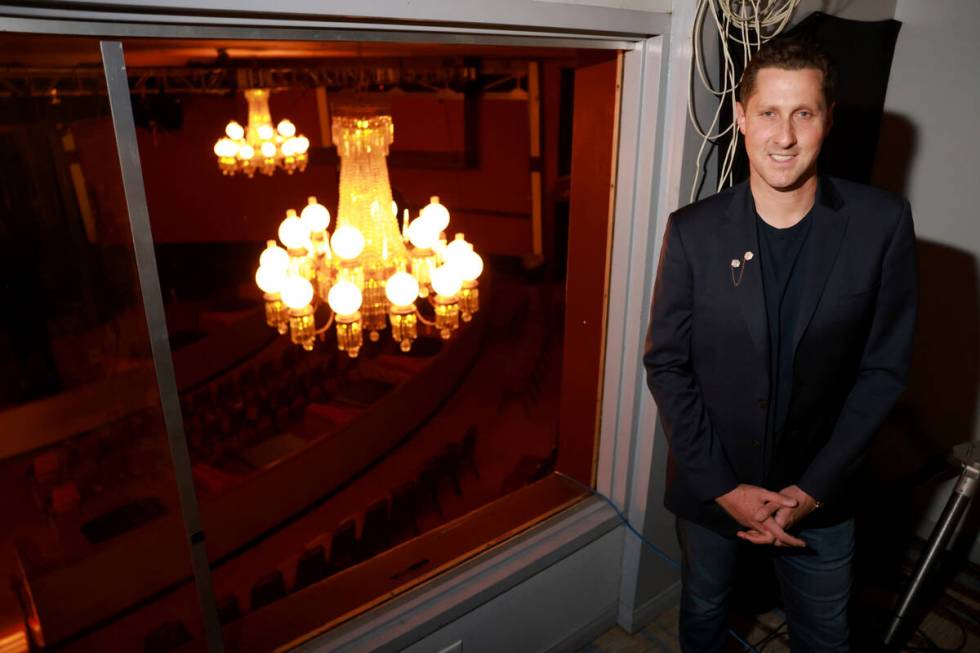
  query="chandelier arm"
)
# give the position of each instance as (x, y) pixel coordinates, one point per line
(422, 319)
(323, 329)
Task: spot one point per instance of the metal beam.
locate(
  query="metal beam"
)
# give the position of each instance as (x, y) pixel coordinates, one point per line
(410, 76)
(156, 322)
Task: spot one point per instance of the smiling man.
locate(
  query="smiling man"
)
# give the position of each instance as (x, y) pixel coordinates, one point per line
(780, 337)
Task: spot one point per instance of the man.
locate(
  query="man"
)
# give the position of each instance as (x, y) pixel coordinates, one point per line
(780, 337)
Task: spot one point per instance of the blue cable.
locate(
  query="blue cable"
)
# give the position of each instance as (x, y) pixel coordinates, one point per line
(656, 549)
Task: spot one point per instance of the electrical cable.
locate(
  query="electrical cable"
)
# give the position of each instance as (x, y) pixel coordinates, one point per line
(660, 553)
(750, 24)
(770, 638)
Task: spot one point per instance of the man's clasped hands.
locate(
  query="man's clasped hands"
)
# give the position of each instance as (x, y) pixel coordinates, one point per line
(768, 515)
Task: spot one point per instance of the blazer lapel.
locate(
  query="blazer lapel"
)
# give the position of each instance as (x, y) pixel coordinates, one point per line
(826, 235)
(749, 292)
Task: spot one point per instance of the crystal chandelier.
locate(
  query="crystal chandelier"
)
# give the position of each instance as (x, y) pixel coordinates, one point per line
(259, 146)
(368, 272)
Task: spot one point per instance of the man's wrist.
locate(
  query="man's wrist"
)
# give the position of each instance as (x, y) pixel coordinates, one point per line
(809, 498)
(810, 501)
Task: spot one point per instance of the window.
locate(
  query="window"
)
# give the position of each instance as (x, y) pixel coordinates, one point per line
(325, 482)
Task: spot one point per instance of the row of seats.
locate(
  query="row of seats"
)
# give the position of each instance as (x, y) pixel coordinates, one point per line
(220, 419)
(386, 522)
(62, 477)
(224, 418)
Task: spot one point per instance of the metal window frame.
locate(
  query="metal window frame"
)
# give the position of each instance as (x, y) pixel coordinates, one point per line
(623, 466)
(20, 20)
(462, 18)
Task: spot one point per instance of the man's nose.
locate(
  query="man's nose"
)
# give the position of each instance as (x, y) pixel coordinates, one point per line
(785, 134)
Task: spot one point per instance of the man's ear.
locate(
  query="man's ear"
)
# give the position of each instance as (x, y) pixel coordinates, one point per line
(740, 117)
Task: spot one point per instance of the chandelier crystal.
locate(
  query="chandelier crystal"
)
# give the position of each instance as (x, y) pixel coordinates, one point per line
(259, 146)
(365, 272)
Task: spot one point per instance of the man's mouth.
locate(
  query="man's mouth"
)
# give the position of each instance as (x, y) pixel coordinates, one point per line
(782, 158)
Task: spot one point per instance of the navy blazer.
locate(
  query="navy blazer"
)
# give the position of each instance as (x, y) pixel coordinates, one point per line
(707, 352)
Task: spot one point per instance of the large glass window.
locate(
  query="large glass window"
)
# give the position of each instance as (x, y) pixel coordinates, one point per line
(92, 522)
(337, 460)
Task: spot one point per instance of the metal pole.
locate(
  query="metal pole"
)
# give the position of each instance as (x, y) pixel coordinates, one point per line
(960, 498)
(124, 128)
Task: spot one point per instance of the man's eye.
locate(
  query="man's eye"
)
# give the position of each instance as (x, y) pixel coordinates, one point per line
(767, 114)
(804, 114)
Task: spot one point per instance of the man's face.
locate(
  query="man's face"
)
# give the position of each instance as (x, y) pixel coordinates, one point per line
(784, 123)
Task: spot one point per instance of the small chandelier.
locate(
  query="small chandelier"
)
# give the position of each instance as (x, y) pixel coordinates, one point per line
(259, 146)
(368, 272)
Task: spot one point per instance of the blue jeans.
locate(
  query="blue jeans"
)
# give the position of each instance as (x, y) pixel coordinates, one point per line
(815, 584)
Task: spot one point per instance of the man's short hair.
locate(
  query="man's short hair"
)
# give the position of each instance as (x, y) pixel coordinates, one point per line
(790, 54)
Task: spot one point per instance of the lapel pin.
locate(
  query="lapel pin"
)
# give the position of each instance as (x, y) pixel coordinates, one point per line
(738, 268)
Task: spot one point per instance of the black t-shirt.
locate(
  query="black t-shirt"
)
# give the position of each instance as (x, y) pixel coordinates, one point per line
(782, 254)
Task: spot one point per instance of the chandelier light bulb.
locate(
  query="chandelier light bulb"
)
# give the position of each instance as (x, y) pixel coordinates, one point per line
(402, 289)
(274, 257)
(471, 266)
(437, 213)
(234, 131)
(297, 292)
(271, 280)
(286, 128)
(268, 149)
(347, 242)
(293, 233)
(246, 152)
(446, 281)
(225, 148)
(315, 216)
(266, 132)
(422, 233)
(301, 144)
(456, 251)
(344, 298)
(394, 209)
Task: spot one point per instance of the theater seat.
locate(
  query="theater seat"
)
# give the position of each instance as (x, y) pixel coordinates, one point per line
(376, 535)
(228, 609)
(311, 567)
(267, 589)
(448, 462)
(429, 481)
(404, 509)
(166, 637)
(344, 543)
